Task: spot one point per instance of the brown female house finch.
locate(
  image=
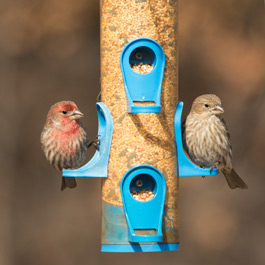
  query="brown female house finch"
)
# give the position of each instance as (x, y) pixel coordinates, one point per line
(206, 138)
(64, 139)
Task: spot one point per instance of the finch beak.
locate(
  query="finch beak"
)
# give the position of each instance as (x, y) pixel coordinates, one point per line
(77, 114)
(218, 109)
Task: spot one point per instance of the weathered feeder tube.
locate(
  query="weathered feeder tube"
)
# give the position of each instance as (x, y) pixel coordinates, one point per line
(139, 139)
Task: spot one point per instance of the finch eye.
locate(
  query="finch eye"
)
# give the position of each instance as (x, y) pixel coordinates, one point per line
(206, 105)
(64, 112)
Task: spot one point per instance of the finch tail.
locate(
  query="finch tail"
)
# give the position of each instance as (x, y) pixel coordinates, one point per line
(234, 181)
(68, 182)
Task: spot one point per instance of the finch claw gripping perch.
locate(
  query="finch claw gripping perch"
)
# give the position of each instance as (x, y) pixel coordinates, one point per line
(215, 166)
(95, 143)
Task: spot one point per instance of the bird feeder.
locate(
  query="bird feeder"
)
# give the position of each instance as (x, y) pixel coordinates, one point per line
(140, 155)
(139, 86)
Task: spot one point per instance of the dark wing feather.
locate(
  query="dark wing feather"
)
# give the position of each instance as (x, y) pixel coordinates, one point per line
(183, 133)
(227, 132)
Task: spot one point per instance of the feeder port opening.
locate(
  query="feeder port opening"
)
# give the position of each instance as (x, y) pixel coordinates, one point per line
(142, 60)
(143, 187)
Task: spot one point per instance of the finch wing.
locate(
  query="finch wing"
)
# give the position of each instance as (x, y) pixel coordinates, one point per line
(227, 132)
(183, 133)
(183, 128)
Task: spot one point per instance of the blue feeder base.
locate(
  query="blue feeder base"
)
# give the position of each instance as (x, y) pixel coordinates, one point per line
(140, 247)
(115, 234)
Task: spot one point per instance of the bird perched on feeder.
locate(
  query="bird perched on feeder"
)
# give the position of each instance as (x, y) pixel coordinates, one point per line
(64, 139)
(206, 138)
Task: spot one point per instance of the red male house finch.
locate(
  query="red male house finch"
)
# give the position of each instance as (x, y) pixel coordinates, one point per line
(206, 138)
(64, 139)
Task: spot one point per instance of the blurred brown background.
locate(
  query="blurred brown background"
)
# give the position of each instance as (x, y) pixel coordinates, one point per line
(49, 51)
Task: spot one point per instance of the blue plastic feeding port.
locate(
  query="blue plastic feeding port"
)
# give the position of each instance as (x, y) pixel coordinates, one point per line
(144, 88)
(98, 165)
(185, 166)
(144, 218)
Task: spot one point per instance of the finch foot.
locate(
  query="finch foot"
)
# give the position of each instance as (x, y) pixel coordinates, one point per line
(99, 97)
(216, 165)
(203, 176)
(95, 143)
